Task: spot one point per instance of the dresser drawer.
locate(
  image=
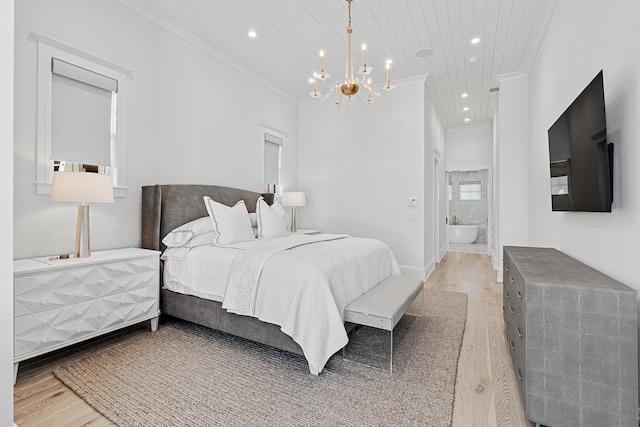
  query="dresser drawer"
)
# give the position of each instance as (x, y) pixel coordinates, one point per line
(48, 330)
(34, 293)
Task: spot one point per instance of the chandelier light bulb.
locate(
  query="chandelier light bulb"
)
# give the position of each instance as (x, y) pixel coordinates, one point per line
(322, 74)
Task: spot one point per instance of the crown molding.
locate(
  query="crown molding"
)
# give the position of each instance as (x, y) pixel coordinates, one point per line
(510, 76)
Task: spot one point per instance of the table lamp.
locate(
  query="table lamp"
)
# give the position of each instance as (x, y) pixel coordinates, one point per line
(293, 199)
(83, 188)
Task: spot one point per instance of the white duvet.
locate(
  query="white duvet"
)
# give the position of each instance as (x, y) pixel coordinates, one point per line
(302, 283)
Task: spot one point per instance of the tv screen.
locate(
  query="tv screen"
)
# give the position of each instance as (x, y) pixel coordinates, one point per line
(580, 158)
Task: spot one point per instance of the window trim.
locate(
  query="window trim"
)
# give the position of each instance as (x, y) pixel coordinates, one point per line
(266, 129)
(49, 48)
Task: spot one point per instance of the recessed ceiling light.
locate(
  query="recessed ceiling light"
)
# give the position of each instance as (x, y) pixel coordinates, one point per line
(467, 119)
(424, 53)
(475, 40)
(252, 34)
(464, 95)
(465, 109)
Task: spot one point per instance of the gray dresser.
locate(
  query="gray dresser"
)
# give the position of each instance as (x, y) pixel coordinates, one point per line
(572, 333)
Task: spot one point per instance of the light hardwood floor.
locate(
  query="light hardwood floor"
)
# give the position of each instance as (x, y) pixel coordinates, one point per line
(486, 391)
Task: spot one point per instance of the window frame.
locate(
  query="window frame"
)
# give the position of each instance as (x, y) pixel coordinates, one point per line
(264, 130)
(469, 184)
(49, 48)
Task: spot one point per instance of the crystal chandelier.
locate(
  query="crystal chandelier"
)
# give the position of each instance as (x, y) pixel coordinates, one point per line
(351, 85)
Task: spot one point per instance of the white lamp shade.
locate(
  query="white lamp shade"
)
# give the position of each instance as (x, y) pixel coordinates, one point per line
(81, 187)
(294, 198)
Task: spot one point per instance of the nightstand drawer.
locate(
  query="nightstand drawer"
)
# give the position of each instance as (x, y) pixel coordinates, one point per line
(34, 293)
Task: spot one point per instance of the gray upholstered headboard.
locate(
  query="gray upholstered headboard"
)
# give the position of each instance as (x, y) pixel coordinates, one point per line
(165, 207)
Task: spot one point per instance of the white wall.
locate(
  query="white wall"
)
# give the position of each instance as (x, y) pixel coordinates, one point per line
(190, 119)
(360, 165)
(6, 226)
(603, 36)
(510, 169)
(469, 148)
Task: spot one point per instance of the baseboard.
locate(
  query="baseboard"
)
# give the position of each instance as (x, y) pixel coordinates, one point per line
(415, 272)
(496, 266)
(443, 252)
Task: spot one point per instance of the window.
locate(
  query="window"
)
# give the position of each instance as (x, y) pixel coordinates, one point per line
(272, 143)
(81, 116)
(272, 163)
(470, 190)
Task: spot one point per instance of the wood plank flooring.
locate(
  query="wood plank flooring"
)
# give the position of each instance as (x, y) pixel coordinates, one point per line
(486, 391)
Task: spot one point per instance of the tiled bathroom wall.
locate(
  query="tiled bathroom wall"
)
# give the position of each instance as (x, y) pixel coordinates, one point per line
(470, 212)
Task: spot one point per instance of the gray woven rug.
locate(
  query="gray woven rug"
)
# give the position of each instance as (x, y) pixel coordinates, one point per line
(186, 375)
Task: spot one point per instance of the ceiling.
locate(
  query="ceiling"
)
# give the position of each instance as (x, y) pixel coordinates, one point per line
(291, 33)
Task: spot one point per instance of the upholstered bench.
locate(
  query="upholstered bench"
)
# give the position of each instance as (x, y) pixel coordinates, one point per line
(384, 305)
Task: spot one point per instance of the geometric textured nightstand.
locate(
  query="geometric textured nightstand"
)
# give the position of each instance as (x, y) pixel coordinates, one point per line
(65, 301)
(572, 333)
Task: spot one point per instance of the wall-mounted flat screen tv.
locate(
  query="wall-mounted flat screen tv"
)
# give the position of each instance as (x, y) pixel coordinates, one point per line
(581, 160)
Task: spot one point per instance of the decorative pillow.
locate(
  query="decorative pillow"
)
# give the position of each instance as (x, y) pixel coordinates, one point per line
(230, 224)
(194, 233)
(272, 222)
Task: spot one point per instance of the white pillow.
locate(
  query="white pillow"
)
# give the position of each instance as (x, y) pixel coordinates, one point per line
(230, 224)
(194, 233)
(272, 222)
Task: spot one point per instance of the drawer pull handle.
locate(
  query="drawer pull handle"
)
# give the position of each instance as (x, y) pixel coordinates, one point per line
(519, 333)
(511, 279)
(511, 309)
(506, 293)
(519, 294)
(506, 324)
(519, 374)
(513, 347)
(506, 268)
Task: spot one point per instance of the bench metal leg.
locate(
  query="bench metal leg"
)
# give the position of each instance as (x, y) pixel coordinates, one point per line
(391, 351)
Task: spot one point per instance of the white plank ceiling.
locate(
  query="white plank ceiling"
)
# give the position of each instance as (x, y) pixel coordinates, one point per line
(291, 33)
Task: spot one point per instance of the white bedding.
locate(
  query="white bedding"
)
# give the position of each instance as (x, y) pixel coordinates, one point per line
(304, 289)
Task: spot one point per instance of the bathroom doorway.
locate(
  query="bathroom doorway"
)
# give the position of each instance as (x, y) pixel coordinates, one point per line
(468, 211)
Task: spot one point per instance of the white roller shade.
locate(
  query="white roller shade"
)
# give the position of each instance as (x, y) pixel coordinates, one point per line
(81, 114)
(272, 146)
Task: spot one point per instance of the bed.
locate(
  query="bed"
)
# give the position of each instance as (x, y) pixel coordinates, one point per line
(282, 307)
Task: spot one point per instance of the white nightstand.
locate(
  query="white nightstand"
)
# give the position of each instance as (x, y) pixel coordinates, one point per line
(64, 301)
(305, 231)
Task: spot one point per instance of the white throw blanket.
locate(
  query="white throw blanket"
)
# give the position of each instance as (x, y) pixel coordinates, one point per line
(246, 268)
(303, 283)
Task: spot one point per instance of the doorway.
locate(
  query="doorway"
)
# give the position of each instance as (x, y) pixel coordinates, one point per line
(468, 211)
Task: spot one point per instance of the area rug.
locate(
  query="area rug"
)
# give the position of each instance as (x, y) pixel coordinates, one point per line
(186, 375)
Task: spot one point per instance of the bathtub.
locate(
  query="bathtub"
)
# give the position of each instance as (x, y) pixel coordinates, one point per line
(463, 233)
